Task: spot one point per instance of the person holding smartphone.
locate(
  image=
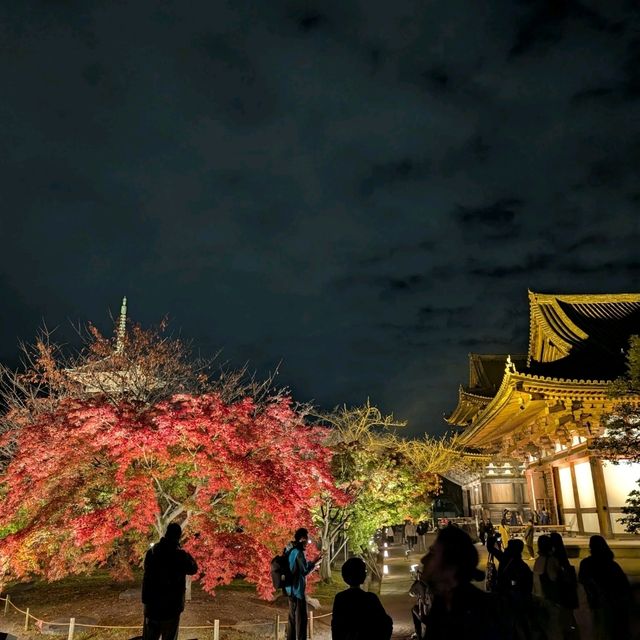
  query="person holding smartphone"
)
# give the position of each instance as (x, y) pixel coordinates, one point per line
(300, 568)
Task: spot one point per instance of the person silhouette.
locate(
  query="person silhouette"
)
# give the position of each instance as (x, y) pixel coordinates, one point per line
(608, 591)
(166, 566)
(515, 586)
(300, 568)
(358, 614)
(568, 586)
(528, 534)
(459, 609)
(554, 583)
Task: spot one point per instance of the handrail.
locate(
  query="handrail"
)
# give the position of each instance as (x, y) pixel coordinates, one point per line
(28, 615)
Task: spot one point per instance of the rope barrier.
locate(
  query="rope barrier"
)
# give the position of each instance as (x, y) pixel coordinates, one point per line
(28, 615)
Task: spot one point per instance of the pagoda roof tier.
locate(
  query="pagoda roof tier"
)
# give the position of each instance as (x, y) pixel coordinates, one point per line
(469, 405)
(485, 377)
(571, 334)
(486, 371)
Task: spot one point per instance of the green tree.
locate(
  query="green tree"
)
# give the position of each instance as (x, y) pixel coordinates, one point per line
(357, 439)
(620, 439)
(631, 519)
(387, 480)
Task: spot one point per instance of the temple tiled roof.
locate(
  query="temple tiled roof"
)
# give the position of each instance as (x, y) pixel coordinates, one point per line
(577, 345)
(485, 377)
(486, 372)
(581, 336)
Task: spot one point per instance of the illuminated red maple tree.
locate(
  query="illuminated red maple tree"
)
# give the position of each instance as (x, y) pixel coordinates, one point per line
(89, 479)
(89, 484)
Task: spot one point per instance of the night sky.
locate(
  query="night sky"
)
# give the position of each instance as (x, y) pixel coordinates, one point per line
(363, 190)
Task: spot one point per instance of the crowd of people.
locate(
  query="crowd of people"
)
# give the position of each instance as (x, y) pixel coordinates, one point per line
(406, 533)
(523, 603)
(518, 603)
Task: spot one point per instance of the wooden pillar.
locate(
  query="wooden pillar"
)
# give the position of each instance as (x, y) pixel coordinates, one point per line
(576, 499)
(600, 490)
(519, 494)
(557, 497)
(484, 492)
(529, 475)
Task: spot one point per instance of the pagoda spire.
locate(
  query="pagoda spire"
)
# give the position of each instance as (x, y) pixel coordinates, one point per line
(122, 327)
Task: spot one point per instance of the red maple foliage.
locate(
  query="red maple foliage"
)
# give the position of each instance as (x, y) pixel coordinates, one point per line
(93, 483)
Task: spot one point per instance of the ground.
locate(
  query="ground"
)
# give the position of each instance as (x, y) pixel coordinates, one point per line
(237, 607)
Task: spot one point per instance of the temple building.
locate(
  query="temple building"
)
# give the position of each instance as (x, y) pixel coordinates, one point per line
(536, 413)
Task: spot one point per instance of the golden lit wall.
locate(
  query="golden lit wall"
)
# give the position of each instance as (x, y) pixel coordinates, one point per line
(566, 486)
(584, 482)
(501, 493)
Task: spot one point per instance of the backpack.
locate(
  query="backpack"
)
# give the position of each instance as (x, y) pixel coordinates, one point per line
(281, 575)
(491, 580)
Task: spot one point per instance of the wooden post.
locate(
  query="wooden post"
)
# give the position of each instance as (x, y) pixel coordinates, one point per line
(216, 630)
(187, 591)
(26, 620)
(600, 490)
(72, 628)
(311, 625)
(277, 628)
(7, 600)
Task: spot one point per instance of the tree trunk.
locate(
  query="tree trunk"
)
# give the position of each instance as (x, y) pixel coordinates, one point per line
(325, 566)
(373, 561)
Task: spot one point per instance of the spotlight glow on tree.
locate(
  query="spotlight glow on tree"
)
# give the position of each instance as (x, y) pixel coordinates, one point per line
(90, 479)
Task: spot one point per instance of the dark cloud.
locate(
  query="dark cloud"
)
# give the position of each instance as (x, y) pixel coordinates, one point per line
(548, 21)
(497, 221)
(528, 265)
(363, 190)
(631, 68)
(310, 20)
(395, 173)
(399, 251)
(592, 94)
(611, 268)
(588, 242)
(437, 77)
(406, 284)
